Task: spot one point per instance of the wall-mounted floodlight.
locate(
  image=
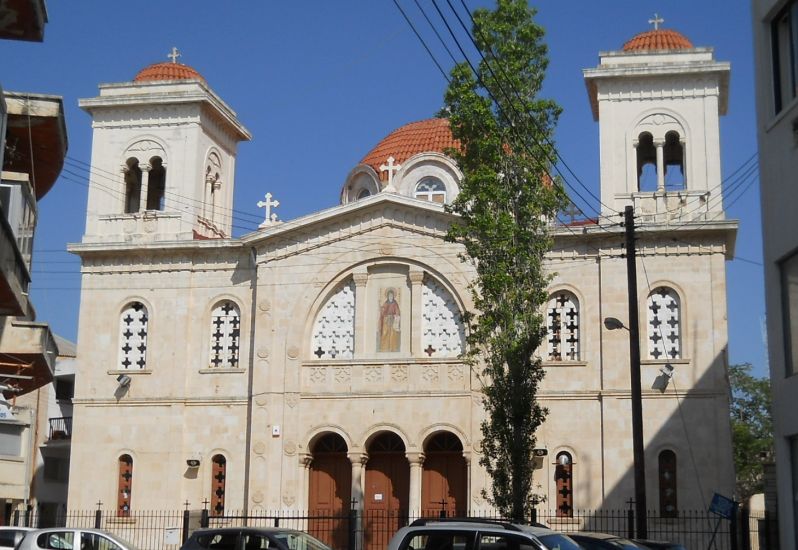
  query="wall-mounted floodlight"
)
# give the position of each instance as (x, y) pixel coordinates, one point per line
(123, 380)
(667, 370)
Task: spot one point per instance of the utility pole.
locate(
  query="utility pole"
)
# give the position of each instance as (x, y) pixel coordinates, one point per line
(641, 518)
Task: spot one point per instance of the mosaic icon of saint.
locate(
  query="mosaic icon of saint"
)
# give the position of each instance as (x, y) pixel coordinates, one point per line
(389, 327)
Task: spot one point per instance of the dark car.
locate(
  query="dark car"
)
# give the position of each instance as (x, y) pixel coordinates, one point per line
(252, 538)
(660, 544)
(603, 541)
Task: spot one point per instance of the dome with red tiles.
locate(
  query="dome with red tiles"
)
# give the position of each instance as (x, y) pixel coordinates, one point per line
(167, 71)
(426, 136)
(658, 39)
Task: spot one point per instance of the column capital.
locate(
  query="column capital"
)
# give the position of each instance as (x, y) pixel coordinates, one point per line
(659, 142)
(416, 276)
(467, 457)
(144, 167)
(358, 458)
(360, 278)
(124, 168)
(305, 459)
(415, 458)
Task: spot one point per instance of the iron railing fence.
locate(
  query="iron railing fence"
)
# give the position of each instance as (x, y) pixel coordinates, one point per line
(373, 529)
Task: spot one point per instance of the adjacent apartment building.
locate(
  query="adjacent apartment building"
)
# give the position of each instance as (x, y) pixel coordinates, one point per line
(33, 143)
(776, 52)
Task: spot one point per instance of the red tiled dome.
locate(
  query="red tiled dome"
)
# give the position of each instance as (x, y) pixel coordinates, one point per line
(431, 135)
(167, 71)
(658, 39)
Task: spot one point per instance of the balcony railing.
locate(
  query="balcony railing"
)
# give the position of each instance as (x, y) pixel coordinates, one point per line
(60, 428)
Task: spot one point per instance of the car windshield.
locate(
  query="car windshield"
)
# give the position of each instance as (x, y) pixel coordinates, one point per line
(297, 540)
(556, 541)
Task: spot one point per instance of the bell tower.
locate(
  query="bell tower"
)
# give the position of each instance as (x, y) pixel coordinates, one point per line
(658, 101)
(163, 158)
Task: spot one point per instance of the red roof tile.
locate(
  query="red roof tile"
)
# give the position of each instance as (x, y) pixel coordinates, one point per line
(659, 39)
(425, 136)
(167, 71)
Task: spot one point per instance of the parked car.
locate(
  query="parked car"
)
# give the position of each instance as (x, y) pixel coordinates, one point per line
(10, 536)
(603, 541)
(463, 534)
(65, 538)
(659, 544)
(252, 538)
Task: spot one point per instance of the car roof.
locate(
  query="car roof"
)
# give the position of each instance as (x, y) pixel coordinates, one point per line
(477, 525)
(16, 528)
(250, 529)
(592, 535)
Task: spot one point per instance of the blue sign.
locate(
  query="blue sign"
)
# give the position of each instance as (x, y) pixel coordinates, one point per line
(722, 506)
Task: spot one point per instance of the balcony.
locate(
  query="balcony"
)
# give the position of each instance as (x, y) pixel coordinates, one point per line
(17, 225)
(60, 429)
(27, 353)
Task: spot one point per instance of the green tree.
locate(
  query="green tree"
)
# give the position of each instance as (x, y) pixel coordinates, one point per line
(506, 202)
(752, 428)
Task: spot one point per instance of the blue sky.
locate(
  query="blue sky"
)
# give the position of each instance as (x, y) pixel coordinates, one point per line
(319, 83)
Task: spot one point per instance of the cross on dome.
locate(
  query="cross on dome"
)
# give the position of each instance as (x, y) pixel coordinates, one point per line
(656, 21)
(267, 204)
(174, 54)
(390, 168)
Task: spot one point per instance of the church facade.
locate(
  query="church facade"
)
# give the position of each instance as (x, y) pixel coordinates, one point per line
(315, 364)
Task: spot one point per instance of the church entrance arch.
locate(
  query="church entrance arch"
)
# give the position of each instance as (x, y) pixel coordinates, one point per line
(387, 490)
(444, 480)
(329, 487)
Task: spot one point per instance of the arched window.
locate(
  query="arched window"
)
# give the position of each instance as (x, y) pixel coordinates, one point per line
(225, 335)
(674, 161)
(646, 163)
(431, 189)
(668, 504)
(213, 184)
(562, 318)
(125, 485)
(218, 478)
(363, 194)
(133, 337)
(334, 329)
(664, 324)
(563, 479)
(156, 184)
(442, 332)
(132, 185)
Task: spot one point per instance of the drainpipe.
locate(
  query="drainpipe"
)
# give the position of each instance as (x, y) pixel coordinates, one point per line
(253, 255)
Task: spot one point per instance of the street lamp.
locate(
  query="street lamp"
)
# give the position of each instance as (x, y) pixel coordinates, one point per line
(611, 323)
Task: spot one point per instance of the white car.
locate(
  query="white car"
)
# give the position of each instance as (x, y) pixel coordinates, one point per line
(10, 536)
(65, 538)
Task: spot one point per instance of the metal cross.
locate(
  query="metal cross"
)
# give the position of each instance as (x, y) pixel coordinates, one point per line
(174, 55)
(390, 168)
(267, 204)
(656, 21)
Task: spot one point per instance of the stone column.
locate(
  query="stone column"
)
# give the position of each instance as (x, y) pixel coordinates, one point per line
(145, 182)
(305, 460)
(416, 461)
(360, 278)
(467, 504)
(660, 145)
(358, 461)
(416, 277)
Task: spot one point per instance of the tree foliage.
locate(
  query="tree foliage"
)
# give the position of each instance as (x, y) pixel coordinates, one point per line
(752, 428)
(505, 205)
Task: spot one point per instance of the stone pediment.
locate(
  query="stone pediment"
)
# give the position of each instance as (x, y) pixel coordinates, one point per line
(346, 221)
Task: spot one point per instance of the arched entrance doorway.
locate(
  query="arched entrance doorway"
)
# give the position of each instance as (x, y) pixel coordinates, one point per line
(387, 490)
(444, 481)
(329, 490)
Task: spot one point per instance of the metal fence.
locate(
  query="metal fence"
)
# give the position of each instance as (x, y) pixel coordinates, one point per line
(373, 529)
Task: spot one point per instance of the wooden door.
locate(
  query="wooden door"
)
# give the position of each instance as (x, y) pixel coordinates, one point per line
(330, 487)
(443, 485)
(387, 491)
(444, 481)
